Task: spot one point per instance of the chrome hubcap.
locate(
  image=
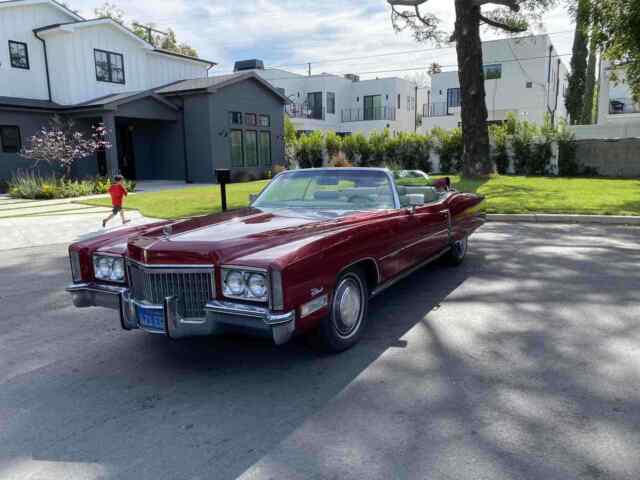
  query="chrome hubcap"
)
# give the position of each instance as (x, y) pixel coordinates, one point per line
(460, 247)
(347, 307)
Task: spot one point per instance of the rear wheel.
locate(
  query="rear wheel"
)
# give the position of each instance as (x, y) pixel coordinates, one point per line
(458, 251)
(344, 325)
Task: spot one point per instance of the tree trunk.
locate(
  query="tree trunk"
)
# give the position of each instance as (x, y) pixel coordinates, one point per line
(475, 133)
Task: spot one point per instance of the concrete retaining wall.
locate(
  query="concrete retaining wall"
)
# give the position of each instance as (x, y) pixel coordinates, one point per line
(612, 158)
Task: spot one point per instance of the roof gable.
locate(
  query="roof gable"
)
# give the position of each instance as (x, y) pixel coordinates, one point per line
(215, 83)
(58, 6)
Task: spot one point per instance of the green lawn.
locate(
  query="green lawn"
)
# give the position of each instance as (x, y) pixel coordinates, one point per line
(504, 194)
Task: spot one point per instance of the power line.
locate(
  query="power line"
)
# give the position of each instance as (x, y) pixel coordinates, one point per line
(405, 52)
(294, 76)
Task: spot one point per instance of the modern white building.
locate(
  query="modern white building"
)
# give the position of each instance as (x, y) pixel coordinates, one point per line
(616, 105)
(343, 104)
(523, 75)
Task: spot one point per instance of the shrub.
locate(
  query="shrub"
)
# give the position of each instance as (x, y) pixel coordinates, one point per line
(277, 168)
(567, 163)
(500, 154)
(30, 185)
(333, 143)
(350, 148)
(340, 160)
(363, 148)
(378, 142)
(522, 142)
(310, 150)
(242, 176)
(450, 148)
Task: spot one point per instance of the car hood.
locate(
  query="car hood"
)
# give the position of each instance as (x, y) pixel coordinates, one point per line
(222, 238)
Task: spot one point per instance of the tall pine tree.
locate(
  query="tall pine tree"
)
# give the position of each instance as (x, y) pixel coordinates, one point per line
(590, 82)
(578, 77)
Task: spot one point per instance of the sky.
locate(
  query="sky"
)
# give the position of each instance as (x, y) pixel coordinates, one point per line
(331, 34)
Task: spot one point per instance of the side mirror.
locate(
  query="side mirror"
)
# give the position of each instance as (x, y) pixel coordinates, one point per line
(253, 197)
(415, 199)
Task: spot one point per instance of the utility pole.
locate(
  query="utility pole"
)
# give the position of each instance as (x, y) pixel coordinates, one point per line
(150, 30)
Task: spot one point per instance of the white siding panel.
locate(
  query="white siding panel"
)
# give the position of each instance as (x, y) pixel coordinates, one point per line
(72, 64)
(17, 23)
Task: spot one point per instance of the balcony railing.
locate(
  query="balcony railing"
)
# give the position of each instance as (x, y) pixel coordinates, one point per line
(303, 110)
(623, 105)
(439, 109)
(368, 114)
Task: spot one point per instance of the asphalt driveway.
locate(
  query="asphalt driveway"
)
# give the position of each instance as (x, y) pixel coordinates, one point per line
(523, 363)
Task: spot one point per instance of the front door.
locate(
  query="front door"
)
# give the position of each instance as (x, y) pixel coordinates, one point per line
(126, 153)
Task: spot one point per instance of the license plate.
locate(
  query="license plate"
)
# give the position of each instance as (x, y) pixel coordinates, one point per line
(152, 318)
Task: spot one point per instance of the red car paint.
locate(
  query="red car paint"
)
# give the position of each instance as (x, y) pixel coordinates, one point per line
(309, 251)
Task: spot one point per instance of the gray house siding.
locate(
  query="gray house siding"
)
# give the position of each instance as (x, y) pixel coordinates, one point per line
(199, 133)
(29, 124)
(247, 96)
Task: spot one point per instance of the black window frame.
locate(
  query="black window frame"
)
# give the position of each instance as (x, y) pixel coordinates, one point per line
(454, 97)
(26, 54)
(262, 163)
(242, 161)
(246, 149)
(492, 66)
(231, 118)
(261, 117)
(2, 137)
(399, 102)
(109, 65)
(331, 103)
(248, 116)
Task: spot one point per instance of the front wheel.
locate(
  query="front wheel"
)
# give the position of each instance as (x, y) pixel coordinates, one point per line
(458, 251)
(344, 325)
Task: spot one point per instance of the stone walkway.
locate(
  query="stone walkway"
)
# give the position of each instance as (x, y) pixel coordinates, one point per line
(30, 223)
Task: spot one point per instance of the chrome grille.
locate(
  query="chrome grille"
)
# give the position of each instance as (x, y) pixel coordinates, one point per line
(192, 286)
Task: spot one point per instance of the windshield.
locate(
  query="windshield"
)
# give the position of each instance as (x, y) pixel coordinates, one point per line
(329, 189)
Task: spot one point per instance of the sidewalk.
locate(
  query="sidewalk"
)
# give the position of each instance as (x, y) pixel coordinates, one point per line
(31, 223)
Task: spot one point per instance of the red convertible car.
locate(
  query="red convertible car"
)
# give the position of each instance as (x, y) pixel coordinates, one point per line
(305, 257)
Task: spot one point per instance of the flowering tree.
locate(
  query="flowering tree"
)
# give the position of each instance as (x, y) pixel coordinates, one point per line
(61, 145)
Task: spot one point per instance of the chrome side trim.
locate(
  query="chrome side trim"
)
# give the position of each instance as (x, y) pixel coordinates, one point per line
(424, 239)
(238, 309)
(362, 260)
(381, 288)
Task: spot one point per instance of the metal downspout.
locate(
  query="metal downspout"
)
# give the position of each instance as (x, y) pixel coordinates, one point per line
(46, 62)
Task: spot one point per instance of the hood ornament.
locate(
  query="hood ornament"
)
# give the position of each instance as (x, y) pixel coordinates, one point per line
(167, 230)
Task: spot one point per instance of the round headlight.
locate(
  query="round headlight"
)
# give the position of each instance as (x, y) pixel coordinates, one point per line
(257, 285)
(235, 283)
(104, 267)
(117, 270)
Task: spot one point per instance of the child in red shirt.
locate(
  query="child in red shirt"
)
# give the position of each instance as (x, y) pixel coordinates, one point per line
(118, 191)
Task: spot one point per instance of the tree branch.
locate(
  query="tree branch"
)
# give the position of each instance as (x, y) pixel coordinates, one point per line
(502, 26)
(512, 4)
(406, 3)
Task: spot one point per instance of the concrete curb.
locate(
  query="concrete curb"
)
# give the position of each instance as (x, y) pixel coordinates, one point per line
(564, 218)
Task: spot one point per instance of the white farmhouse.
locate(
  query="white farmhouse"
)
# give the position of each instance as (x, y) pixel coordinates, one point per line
(166, 117)
(522, 75)
(346, 104)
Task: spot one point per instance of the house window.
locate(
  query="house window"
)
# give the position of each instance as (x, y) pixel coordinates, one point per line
(372, 107)
(265, 121)
(265, 149)
(492, 72)
(453, 97)
(109, 66)
(251, 119)
(399, 102)
(19, 55)
(314, 100)
(251, 148)
(9, 139)
(235, 118)
(331, 103)
(529, 85)
(237, 159)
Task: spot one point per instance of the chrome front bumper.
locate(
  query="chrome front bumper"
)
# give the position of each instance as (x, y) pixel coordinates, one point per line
(219, 318)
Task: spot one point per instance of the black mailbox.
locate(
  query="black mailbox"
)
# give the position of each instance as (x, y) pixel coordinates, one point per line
(223, 176)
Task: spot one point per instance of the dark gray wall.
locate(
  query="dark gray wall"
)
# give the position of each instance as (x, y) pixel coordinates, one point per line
(248, 96)
(612, 158)
(198, 140)
(29, 124)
